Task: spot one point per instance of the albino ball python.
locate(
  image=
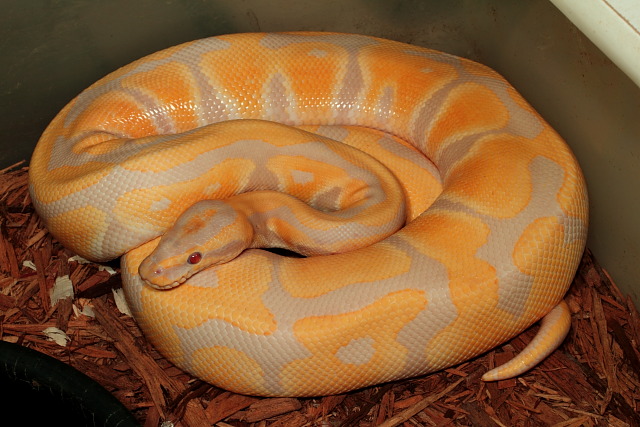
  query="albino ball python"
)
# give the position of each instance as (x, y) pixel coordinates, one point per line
(477, 263)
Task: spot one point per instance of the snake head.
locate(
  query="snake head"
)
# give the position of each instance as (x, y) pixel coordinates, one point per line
(209, 233)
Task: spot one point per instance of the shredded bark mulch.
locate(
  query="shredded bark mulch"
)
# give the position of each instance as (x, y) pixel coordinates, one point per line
(592, 380)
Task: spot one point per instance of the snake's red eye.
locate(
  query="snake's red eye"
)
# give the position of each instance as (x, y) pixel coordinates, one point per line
(194, 258)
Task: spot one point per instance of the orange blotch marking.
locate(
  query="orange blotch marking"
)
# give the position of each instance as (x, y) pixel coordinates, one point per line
(182, 149)
(542, 253)
(470, 108)
(454, 239)
(230, 369)
(324, 336)
(407, 73)
(301, 278)
(245, 80)
(231, 174)
(421, 189)
(300, 242)
(325, 176)
(477, 328)
(311, 88)
(193, 226)
(494, 178)
(63, 181)
(115, 113)
(475, 292)
(173, 88)
(288, 232)
(420, 186)
(76, 228)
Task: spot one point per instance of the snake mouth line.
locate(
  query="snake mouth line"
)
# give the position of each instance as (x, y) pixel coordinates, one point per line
(167, 286)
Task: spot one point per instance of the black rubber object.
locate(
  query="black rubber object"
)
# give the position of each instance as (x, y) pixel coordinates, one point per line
(38, 390)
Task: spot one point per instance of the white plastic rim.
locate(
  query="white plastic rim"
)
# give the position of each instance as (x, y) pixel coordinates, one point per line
(613, 26)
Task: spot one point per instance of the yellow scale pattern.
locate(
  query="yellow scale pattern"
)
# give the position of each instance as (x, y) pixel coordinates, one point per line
(494, 201)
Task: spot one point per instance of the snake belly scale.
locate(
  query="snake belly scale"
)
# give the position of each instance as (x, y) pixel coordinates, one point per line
(483, 259)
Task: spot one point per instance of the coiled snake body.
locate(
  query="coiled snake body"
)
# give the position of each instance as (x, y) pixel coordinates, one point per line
(476, 263)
